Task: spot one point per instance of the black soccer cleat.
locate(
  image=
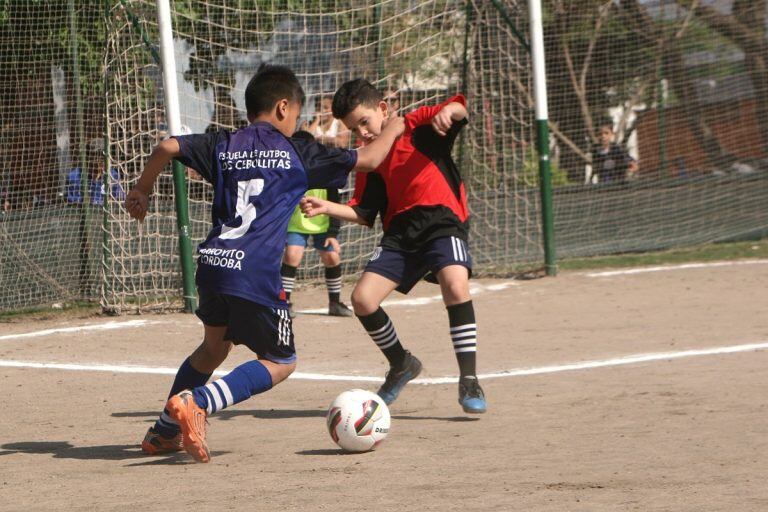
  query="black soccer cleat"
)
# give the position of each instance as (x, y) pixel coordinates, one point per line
(397, 378)
(338, 309)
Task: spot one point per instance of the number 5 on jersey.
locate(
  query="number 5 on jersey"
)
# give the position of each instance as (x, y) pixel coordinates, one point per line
(246, 211)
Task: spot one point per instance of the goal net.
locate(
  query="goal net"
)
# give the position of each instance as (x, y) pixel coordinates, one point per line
(418, 52)
(658, 112)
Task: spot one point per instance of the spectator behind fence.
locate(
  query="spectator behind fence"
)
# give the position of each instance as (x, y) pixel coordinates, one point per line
(610, 162)
(324, 128)
(5, 200)
(95, 174)
(392, 97)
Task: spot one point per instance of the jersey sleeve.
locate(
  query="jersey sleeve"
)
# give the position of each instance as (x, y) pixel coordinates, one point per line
(372, 199)
(198, 151)
(424, 115)
(326, 167)
(357, 194)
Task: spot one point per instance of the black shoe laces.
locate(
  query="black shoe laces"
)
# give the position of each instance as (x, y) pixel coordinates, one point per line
(472, 388)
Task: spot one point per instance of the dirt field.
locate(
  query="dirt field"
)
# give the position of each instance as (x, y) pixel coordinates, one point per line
(678, 434)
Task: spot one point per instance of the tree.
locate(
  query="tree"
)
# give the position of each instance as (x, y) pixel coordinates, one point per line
(745, 28)
(35, 38)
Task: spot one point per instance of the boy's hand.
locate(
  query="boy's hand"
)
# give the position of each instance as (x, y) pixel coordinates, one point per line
(448, 115)
(443, 120)
(137, 203)
(394, 123)
(334, 243)
(312, 206)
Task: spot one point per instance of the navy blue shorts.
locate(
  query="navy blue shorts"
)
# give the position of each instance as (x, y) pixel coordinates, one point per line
(266, 331)
(302, 240)
(407, 268)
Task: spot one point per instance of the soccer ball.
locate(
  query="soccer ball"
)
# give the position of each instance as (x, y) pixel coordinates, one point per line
(358, 420)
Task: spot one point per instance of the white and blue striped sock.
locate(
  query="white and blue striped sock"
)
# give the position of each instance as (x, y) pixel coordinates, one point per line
(246, 380)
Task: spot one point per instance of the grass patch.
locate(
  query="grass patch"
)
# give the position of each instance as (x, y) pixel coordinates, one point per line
(709, 252)
(49, 312)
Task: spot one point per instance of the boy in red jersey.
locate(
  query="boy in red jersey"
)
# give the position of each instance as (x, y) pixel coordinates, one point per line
(420, 196)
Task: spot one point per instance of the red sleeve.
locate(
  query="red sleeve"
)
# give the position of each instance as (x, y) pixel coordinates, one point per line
(424, 115)
(360, 179)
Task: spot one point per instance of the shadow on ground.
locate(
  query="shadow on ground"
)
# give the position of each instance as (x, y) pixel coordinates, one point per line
(271, 414)
(65, 450)
(281, 414)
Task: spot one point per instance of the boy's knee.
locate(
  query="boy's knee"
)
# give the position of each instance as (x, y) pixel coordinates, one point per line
(329, 258)
(456, 292)
(210, 354)
(363, 305)
(217, 351)
(279, 372)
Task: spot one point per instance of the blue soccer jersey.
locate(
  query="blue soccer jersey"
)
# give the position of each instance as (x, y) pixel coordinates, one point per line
(258, 176)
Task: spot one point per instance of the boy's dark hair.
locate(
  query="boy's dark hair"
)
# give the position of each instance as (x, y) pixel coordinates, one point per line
(352, 94)
(269, 85)
(303, 135)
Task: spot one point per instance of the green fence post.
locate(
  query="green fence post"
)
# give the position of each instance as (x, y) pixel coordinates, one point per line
(179, 177)
(185, 242)
(542, 135)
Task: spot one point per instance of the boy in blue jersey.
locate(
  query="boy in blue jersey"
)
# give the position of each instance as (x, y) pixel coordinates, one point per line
(259, 174)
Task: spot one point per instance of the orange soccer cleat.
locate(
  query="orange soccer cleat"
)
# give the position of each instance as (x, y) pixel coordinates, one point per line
(192, 420)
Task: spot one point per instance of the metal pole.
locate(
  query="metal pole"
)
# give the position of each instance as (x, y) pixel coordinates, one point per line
(108, 168)
(542, 135)
(380, 68)
(662, 127)
(174, 127)
(465, 82)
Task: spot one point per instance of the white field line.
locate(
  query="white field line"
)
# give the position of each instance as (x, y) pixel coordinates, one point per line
(665, 268)
(519, 372)
(474, 289)
(90, 327)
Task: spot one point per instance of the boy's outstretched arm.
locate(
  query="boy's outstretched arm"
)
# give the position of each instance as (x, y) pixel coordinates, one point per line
(312, 206)
(137, 201)
(371, 156)
(448, 115)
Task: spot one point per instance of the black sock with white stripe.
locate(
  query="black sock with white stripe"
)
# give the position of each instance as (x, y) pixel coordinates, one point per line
(288, 275)
(382, 331)
(461, 317)
(333, 283)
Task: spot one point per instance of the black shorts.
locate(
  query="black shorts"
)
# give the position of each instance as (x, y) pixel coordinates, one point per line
(266, 331)
(407, 268)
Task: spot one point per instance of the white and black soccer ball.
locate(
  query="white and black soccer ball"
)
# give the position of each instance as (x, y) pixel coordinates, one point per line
(358, 420)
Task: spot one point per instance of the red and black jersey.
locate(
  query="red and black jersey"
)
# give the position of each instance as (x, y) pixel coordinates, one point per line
(417, 190)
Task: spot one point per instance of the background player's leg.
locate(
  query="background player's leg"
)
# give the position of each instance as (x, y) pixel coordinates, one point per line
(291, 261)
(332, 263)
(454, 285)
